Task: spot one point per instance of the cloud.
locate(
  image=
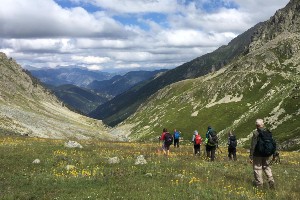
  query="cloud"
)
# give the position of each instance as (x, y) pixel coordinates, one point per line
(91, 59)
(46, 19)
(105, 34)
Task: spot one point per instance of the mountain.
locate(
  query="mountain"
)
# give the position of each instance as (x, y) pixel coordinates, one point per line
(121, 83)
(27, 108)
(72, 75)
(80, 99)
(264, 83)
(125, 104)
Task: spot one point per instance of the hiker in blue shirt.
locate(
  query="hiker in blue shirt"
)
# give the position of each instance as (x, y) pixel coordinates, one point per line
(176, 137)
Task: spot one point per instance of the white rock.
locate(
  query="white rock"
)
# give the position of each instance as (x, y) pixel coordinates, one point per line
(148, 174)
(36, 161)
(179, 176)
(73, 144)
(113, 160)
(69, 167)
(140, 160)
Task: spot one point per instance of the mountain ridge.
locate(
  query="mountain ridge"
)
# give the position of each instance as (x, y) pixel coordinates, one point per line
(264, 83)
(27, 108)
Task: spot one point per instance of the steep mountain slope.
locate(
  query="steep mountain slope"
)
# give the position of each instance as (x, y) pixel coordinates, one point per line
(120, 83)
(28, 108)
(80, 99)
(125, 104)
(264, 83)
(73, 75)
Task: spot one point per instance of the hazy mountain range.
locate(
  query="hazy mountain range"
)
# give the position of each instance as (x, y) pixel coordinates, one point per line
(97, 89)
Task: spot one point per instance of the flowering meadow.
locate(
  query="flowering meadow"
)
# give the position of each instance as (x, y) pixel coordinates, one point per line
(85, 173)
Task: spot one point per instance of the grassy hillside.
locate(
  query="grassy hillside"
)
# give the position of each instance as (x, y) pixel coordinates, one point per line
(262, 84)
(27, 108)
(90, 176)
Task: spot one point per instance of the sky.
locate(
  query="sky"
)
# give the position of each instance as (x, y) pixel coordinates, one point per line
(112, 35)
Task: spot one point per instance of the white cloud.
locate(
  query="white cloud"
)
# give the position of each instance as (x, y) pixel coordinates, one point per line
(94, 67)
(44, 18)
(42, 33)
(91, 59)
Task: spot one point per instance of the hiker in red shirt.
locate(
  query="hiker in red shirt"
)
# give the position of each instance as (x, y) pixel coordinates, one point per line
(197, 140)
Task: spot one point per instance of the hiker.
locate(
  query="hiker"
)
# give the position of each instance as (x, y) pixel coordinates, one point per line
(260, 153)
(162, 138)
(168, 140)
(197, 140)
(232, 143)
(176, 137)
(211, 142)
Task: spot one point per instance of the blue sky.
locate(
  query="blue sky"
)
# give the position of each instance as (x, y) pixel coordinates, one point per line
(123, 34)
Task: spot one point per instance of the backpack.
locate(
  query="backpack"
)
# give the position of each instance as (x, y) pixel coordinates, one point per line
(176, 135)
(198, 139)
(232, 142)
(168, 138)
(266, 145)
(212, 138)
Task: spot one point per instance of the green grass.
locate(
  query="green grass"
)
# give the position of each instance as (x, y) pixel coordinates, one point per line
(181, 176)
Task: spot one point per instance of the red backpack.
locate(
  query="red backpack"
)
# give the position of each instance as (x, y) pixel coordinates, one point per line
(198, 139)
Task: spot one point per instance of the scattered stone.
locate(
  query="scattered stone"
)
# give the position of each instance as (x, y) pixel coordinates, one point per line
(36, 161)
(70, 167)
(113, 160)
(140, 160)
(179, 176)
(73, 144)
(148, 174)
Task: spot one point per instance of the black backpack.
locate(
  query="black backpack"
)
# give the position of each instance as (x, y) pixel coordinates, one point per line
(232, 142)
(266, 145)
(212, 137)
(168, 138)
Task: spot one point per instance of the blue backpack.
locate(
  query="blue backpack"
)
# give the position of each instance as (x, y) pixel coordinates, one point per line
(176, 135)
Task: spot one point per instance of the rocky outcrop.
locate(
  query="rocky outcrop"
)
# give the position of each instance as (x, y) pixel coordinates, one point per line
(284, 20)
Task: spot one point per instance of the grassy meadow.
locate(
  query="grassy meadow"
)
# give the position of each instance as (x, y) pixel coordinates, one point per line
(90, 176)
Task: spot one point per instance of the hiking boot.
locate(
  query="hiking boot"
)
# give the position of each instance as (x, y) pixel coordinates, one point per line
(272, 185)
(257, 186)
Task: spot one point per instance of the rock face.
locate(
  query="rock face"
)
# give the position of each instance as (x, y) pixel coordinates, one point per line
(262, 83)
(284, 20)
(26, 108)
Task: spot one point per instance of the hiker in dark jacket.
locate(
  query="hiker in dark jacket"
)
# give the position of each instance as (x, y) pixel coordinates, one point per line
(211, 142)
(168, 140)
(259, 161)
(232, 143)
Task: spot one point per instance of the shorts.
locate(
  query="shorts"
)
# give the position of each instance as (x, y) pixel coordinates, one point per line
(167, 147)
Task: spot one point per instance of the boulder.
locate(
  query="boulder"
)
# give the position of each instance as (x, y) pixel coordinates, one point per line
(73, 144)
(36, 161)
(113, 160)
(140, 160)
